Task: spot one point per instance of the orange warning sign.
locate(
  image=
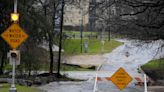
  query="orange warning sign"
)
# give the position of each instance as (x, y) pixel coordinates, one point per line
(121, 78)
(14, 35)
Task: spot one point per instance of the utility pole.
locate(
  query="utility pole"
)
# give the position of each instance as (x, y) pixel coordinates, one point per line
(81, 28)
(102, 38)
(60, 39)
(15, 6)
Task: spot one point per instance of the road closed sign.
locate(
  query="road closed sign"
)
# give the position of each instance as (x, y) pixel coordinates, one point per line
(121, 78)
(14, 35)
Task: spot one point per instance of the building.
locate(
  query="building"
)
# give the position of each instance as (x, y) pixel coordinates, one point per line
(99, 9)
(76, 15)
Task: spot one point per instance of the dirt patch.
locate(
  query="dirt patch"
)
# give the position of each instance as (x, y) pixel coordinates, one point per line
(156, 75)
(93, 60)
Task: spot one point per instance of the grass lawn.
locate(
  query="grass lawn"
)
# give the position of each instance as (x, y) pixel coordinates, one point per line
(73, 46)
(154, 64)
(78, 33)
(155, 69)
(5, 88)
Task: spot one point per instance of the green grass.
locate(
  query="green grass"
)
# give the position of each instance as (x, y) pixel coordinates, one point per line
(155, 69)
(86, 34)
(78, 33)
(5, 88)
(154, 64)
(73, 46)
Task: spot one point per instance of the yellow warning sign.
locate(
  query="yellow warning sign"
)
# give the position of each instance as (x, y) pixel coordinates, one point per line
(14, 35)
(121, 78)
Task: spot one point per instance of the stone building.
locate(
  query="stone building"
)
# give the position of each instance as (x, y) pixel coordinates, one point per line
(76, 15)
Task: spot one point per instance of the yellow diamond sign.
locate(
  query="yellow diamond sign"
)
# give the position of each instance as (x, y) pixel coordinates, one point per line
(121, 78)
(14, 35)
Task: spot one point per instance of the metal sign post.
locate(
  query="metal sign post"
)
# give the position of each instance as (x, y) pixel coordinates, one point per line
(15, 6)
(13, 60)
(145, 83)
(145, 78)
(95, 84)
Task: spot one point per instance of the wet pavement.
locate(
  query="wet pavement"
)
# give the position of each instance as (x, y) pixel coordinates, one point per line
(139, 54)
(86, 87)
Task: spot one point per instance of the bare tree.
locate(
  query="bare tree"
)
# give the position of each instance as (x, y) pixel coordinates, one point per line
(103, 12)
(138, 19)
(149, 20)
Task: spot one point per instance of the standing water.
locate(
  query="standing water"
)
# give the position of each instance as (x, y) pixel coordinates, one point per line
(130, 56)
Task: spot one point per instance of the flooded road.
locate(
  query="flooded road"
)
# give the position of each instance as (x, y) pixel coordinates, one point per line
(138, 54)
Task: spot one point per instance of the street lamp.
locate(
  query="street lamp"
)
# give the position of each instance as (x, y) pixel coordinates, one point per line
(81, 28)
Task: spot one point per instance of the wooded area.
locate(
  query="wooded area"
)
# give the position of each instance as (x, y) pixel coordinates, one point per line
(134, 19)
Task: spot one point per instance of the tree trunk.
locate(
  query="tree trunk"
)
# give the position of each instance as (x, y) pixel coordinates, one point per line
(109, 35)
(29, 72)
(60, 39)
(2, 63)
(50, 40)
(51, 55)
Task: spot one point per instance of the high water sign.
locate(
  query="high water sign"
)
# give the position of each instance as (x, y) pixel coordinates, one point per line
(14, 35)
(121, 78)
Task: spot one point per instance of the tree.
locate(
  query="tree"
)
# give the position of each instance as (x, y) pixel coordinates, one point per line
(50, 8)
(136, 19)
(148, 21)
(54, 10)
(5, 21)
(103, 14)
